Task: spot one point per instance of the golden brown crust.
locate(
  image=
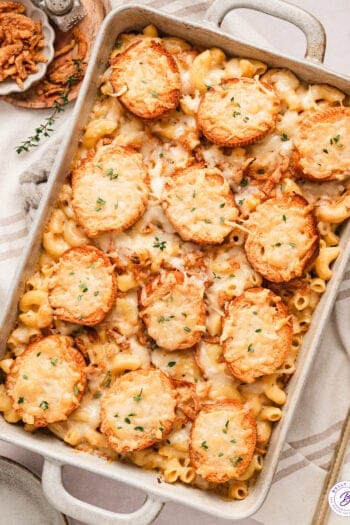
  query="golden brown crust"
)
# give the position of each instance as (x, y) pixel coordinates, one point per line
(138, 410)
(147, 80)
(222, 441)
(283, 238)
(322, 146)
(238, 112)
(199, 204)
(83, 286)
(173, 310)
(257, 334)
(110, 190)
(47, 381)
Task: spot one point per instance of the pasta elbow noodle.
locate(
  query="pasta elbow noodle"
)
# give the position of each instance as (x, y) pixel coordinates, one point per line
(270, 413)
(327, 255)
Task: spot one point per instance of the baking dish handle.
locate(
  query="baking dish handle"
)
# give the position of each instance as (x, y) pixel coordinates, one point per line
(58, 496)
(311, 27)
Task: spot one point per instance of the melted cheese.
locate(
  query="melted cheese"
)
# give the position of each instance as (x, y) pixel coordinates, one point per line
(81, 285)
(137, 410)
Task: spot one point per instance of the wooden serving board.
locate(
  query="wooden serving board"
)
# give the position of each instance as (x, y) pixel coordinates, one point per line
(36, 97)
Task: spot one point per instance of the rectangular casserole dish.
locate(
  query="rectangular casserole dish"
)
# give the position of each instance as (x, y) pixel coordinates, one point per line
(56, 453)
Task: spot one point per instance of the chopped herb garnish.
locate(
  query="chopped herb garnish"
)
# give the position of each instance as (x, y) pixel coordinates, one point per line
(161, 155)
(216, 276)
(116, 415)
(255, 312)
(20, 400)
(71, 273)
(284, 218)
(232, 99)
(204, 445)
(208, 86)
(183, 314)
(284, 137)
(193, 195)
(163, 319)
(207, 221)
(132, 414)
(250, 348)
(222, 220)
(80, 317)
(233, 441)
(139, 396)
(140, 429)
(25, 376)
(187, 329)
(108, 379)
(171, 364)
(118, 44)
(334, 139)
(75, 390)
(161, 429)
(244, 182)
(258, 330)
(127, 420)
(241, 202)
(99, 203)
(96, 293)
(44, 405)
(154, 94)
(236, 461)
(225, 427)
(112, 174)
(246, 119)
(39, 353)
(83, 288)
(192, 209)
(261, 171)
(236, 113)
(292, 244)
(222, 205)
(220, 454)
(325, 150)
(79, 297)
(54, 362)
(278, 244)
(97, 395)
(159, 244)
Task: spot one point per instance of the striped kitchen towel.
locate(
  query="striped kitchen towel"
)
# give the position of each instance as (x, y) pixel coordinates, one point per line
(317, 424)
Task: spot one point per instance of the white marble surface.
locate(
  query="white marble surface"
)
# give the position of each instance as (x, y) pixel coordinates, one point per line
(335, 16)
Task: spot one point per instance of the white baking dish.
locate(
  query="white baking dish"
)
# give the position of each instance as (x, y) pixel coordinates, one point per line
(56, 453)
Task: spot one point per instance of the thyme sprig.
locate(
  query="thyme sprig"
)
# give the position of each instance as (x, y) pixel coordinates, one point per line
(46, 128)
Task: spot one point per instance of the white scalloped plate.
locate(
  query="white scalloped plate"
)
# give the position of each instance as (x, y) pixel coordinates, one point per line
(10, 86)
(22, 501)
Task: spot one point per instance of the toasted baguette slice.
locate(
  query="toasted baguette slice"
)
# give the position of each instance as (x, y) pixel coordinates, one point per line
(46, 382)
(222, 441)
(199, 204)
(238, 112)
(138, 410)
(146, 79)
(322, 147)
(257, 334)
(82, 288)
(110, 190)
(283, 238)
(173, 310)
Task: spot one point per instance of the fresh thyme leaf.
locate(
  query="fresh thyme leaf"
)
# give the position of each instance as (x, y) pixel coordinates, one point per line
(46, 128)
(159, 244)
(44, 405)
(139, 396)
